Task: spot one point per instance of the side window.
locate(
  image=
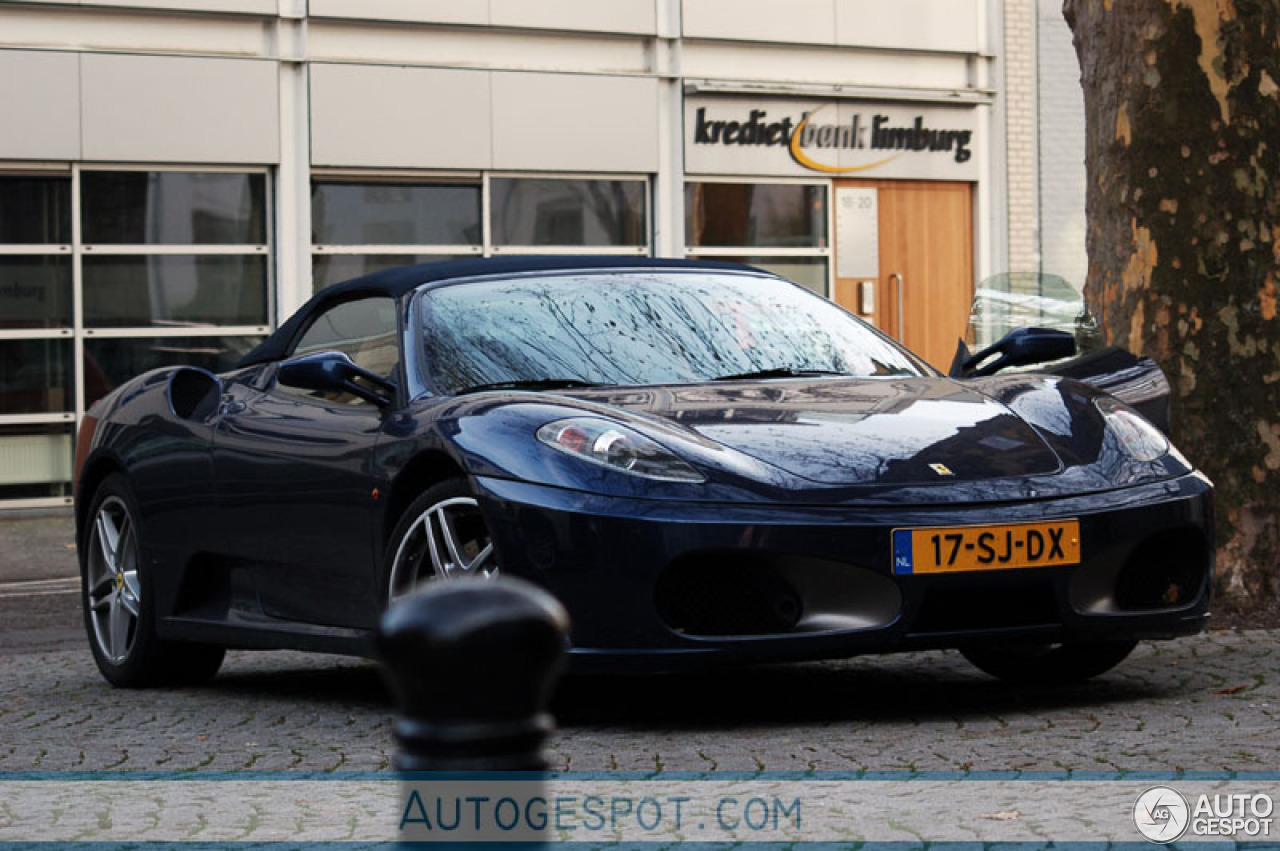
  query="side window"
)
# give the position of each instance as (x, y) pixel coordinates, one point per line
(364, 330)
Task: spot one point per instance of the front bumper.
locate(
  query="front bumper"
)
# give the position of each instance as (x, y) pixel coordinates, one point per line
(663, 584)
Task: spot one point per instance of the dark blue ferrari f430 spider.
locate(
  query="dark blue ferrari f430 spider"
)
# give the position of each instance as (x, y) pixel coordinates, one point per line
(703, 462)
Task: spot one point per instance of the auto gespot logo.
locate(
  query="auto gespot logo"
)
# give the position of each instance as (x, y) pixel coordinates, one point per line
(815, 142)
(1163, 815)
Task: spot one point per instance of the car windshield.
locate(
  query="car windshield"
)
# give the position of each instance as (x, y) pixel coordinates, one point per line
(641, 327)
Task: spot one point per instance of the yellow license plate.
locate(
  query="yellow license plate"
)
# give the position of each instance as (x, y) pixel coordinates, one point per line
(950, 549)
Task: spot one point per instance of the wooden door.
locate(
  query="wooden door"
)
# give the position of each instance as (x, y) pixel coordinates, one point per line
(924, 274)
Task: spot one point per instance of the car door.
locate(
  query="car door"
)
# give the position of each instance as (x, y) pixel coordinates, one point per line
(293, 469)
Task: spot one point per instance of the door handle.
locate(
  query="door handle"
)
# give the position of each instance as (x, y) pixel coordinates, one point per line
(896, 280)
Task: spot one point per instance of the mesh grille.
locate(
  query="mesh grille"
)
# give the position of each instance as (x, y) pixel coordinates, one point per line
(726, 596)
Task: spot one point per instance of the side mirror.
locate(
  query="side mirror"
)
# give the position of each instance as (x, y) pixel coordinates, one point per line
(334, 372)
(1020, 347)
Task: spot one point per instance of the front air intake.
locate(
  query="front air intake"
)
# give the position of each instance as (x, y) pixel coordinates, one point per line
(744, 593)
(727, 594)
(1166, 571)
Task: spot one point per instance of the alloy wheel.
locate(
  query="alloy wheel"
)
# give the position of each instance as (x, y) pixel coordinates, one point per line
(114, 587)
(447, 541)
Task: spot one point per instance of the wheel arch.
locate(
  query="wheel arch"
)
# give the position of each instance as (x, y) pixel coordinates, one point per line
(427, 468)
(96, 470)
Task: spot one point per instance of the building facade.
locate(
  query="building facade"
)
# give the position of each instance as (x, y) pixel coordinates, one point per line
(176, 176)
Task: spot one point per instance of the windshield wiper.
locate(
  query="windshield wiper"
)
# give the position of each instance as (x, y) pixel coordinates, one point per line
(530, 384)
(778, 372)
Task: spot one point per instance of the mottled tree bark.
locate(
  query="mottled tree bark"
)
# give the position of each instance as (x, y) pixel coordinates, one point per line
(1182, 99)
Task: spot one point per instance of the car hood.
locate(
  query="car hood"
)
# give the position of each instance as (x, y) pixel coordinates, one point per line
(836, 431)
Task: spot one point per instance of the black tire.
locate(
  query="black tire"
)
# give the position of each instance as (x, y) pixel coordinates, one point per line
(408, 540)
(1048, 664)
(118, 601)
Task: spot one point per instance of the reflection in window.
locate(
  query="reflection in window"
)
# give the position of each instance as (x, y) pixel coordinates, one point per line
(173, 208)
(641, 329)
(365, 330)
(353, 327)
(772, 215)
(808, 272)
(37, 366)
(35, 291)
(35, 210)
(394, 213)
(173, 290)
(108, 362)
(36, 376)
(173, 253)
(528, 211)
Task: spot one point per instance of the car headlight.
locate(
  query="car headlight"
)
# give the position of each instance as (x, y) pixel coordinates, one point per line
(617, 447)
(1144, 441)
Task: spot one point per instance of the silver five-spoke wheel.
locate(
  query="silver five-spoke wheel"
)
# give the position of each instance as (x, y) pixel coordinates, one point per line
(117, 576)
(114, 589)
(446, 540)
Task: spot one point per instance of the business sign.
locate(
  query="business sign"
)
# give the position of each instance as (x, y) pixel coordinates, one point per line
(847, 139)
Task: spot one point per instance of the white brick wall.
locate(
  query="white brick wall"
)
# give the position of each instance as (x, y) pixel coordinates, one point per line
(1020, 117)
(1061, 143)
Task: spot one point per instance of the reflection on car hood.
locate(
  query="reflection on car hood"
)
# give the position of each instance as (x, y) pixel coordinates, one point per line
(853, 431)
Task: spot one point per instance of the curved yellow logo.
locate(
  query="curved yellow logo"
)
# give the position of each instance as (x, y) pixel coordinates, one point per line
(834, 134)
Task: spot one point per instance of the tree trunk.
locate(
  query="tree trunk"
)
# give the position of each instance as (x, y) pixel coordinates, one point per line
(1182, 102)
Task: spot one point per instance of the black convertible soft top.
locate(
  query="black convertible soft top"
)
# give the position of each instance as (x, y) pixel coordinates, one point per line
(398, 281)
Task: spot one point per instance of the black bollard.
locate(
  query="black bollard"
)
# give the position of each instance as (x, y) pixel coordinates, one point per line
(472, 663)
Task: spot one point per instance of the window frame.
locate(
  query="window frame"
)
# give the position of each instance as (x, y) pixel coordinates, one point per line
(425, 178)
(825, 252)
(78, 333)
(359, 177)
(83, 250)
(486, 246)
(641, 250)
(69, 417)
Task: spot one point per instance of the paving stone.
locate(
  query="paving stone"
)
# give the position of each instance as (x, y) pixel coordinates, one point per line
(1209, 702)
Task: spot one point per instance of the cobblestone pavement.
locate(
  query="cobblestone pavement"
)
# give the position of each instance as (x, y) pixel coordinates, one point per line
(1209, 702)
(1203, 703)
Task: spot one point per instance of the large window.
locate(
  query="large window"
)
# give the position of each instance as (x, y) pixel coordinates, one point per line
(781, 227)
(530, 212)
(362, 223)
(107, 273)
(37, 317)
